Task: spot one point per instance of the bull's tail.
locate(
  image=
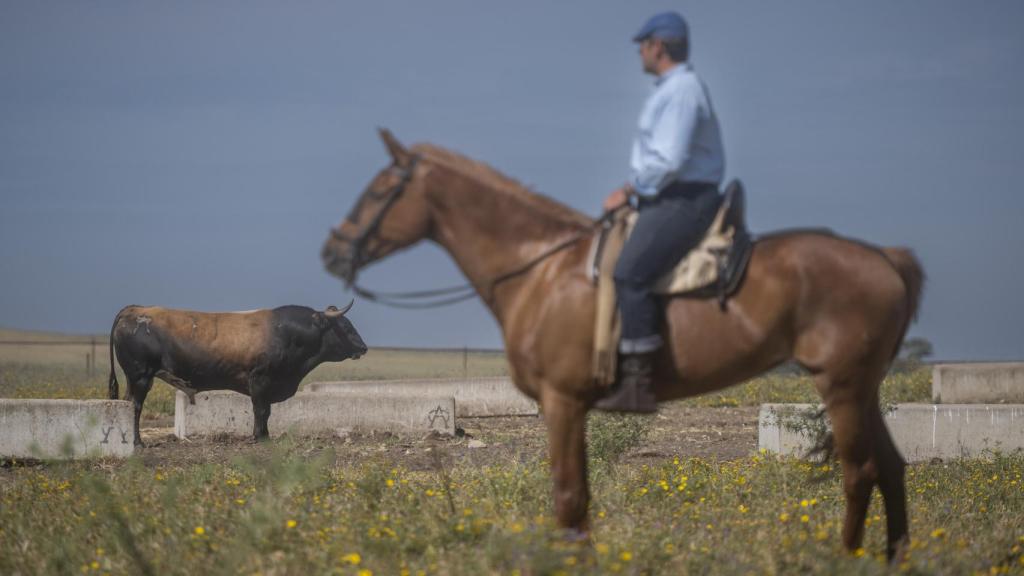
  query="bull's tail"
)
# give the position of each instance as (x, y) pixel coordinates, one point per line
(912, 273)
(112, 391)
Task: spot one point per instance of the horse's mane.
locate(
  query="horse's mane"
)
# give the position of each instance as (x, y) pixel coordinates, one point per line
(494, 180)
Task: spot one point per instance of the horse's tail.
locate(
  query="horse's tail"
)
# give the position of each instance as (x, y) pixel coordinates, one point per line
(912, 273)
(112, 391)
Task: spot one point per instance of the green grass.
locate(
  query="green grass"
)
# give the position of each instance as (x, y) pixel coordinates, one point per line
(302, 510)
(293, 513)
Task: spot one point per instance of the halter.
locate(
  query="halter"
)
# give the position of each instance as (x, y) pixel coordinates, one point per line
(441, 296)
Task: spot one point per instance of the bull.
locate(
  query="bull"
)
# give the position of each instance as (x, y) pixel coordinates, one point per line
(261, 353)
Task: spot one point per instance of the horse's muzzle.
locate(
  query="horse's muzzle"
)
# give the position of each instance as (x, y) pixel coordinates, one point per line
(338, 263)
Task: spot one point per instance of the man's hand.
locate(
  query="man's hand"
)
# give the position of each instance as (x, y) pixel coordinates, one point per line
(618, 198)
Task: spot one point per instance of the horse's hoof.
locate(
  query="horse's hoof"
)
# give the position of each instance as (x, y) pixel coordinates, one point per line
(898, 553)
(577, 536)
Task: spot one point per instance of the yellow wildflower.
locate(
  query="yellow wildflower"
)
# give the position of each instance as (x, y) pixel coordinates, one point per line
(200, 530)
(291, 524)
(352, 558)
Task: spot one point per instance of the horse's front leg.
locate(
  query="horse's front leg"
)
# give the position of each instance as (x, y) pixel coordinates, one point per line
(566, 421)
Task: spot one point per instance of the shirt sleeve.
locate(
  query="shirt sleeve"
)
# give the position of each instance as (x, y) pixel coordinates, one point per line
(669, 145)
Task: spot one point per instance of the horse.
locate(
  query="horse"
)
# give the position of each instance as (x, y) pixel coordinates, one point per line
(840, 308)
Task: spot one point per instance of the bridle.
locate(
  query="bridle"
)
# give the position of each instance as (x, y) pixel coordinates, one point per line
(390, 196)
(439, 296)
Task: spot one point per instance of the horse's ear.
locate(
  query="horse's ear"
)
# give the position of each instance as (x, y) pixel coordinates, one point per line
(395, 148)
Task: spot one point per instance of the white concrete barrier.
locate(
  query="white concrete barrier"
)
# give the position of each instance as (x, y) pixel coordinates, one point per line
(61, 429)
(921, 431)
(978, 383)
(307, 413)
(473, 396)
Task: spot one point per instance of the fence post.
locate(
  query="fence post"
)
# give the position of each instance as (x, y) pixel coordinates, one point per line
(92, 369)
(465, 362)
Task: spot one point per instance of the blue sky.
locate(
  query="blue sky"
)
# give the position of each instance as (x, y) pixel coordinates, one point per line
(194, 154)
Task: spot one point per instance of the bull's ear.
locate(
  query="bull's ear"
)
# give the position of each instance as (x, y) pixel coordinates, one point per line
(398, 152)
(320, 321)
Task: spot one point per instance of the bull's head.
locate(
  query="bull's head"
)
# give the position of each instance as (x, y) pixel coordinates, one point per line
(391, 214)
(341, 340)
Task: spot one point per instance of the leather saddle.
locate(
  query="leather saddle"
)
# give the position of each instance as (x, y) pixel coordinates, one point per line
(714, 268)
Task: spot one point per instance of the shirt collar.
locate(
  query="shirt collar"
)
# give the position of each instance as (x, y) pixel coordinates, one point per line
(676, 70)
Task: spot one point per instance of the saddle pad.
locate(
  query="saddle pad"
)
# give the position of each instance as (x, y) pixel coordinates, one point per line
(698, 269)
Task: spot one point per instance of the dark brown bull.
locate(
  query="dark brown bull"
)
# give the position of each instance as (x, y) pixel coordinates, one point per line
(261, 353)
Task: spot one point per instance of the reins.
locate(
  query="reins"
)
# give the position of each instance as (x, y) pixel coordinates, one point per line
(463, 291)
(452, 294)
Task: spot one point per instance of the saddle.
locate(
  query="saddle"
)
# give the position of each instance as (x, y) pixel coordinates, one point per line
(714, 269)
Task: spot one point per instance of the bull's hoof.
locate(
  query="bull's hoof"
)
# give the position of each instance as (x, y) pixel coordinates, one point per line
(139, 444)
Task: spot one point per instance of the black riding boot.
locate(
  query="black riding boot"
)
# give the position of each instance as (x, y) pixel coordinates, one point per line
(634, 391)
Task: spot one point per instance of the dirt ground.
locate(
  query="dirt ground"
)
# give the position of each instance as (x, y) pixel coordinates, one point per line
(678, 430)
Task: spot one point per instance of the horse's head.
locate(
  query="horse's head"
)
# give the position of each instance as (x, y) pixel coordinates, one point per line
(389, 215)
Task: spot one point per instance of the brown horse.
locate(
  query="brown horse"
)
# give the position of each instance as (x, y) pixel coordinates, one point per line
(839, 308)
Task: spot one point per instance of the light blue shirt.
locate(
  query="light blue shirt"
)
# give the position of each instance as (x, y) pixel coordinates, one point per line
(677, 137)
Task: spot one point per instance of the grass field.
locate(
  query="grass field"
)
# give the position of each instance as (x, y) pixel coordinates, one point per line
(58, 371)
(297, 512)
(313, 506)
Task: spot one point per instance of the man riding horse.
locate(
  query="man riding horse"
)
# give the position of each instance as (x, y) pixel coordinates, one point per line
(677, 165)
(837, 307)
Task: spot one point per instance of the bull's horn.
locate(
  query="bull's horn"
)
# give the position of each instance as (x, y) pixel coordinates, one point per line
(333, 312)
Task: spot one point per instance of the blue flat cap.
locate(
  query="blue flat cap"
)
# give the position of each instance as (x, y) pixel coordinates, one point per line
(667, 26)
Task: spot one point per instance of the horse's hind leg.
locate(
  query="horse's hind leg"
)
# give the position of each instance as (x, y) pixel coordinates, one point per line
(867, 453)
(852, 440)
(891, 468)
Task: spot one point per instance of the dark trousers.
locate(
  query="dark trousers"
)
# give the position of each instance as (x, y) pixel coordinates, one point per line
(669, 225)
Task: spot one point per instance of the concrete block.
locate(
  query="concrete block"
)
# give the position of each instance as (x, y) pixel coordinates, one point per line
(308, 413)
(921, 431)
(978, 383)
(473, 396)
(62, 429)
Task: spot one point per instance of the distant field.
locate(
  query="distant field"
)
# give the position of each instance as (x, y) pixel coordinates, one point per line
(58, 371)
(56, 368)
